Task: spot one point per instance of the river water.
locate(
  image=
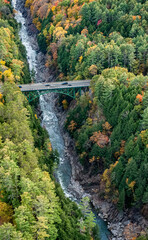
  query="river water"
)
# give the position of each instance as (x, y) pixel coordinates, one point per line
(50, 120)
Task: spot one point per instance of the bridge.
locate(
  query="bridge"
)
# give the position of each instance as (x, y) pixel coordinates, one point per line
(69, 88)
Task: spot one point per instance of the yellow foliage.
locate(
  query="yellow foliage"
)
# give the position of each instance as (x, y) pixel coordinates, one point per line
(2, 62)
(6, 212)
(36, 22)
(35, 116)
(129, 160)
(144, 136)
(51, 29)
(45, 32)
(59, 33)
(1, 96)
(8, 75)
(28, 3)
(80, 59)
(132, 184)
(93, 69)
(38, 26)
(53, 8)
(106, 177)
(17, 67)
(89, 121)
(83, 154)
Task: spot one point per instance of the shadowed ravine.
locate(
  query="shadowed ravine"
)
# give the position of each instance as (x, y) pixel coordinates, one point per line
(50, 120)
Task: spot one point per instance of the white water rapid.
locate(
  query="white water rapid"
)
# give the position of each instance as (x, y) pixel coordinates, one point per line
(49, 119)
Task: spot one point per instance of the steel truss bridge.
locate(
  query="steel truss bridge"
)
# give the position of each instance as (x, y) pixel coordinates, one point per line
(34, 90)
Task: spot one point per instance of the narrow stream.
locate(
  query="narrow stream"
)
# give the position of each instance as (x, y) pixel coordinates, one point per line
(50, 121)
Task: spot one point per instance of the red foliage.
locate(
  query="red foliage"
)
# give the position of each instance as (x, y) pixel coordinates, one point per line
(99, 21)
(7, 2)
(139, 97)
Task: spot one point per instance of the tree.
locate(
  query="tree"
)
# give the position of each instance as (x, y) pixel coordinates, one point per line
(8, 231)
(89, 222)
(121, 202)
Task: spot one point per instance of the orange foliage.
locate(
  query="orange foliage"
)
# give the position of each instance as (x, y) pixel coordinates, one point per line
(50, 146)
(65, 104)
(131, 231)
(72, 126)
(100, 139)
(134, 17)
(7, 2)
(106, 128)
(92, 159)
(42, 11)
(139, 97)
(61, 75)
(84, 32)
(53, 49)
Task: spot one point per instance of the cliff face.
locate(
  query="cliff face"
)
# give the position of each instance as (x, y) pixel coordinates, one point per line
(123, 225)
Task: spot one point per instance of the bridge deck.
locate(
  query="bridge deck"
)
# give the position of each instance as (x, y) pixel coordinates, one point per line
(53, 85)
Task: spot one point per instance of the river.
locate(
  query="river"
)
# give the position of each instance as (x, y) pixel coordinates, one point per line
(50, 120)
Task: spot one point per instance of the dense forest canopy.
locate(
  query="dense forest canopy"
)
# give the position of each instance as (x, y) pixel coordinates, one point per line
(84, 37)
(105, 41)
(32, 205)
(102, 40)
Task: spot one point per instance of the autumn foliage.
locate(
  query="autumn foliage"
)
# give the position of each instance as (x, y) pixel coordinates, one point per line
(100, 139)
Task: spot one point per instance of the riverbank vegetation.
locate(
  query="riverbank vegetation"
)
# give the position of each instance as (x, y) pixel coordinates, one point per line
(105, 41)
(116, 146)
(32, 205)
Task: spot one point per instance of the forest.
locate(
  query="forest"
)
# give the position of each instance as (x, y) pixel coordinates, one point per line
(105, 41)
(32, 204)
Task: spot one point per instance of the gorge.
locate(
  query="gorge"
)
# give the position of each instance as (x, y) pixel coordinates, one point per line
(49, 118)
(100, 138)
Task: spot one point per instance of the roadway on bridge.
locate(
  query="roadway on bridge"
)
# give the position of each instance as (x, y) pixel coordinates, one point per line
(53, 85)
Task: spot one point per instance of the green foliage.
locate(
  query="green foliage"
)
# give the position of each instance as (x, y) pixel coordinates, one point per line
(122, 97)
(105, 34)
